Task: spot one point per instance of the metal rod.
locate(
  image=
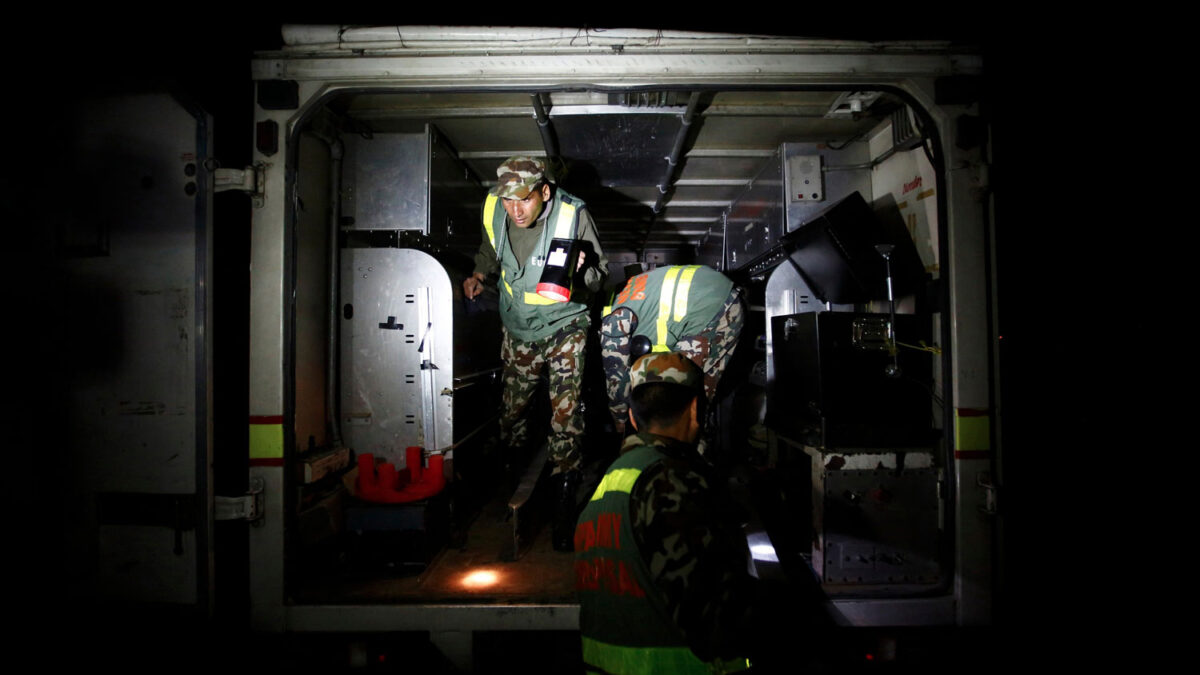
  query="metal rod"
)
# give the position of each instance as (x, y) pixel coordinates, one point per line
(480, 373)
(544, 127)
(336, 152)
(665, 184)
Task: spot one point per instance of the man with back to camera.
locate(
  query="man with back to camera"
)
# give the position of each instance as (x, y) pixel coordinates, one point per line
(521, 216)
(692, 309)
(660, 564)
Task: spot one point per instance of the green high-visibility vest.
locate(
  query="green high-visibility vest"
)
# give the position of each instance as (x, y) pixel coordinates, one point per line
(673, 301)
(527, 315)
(623, 620)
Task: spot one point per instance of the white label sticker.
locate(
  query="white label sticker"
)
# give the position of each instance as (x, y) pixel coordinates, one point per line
(558, 257)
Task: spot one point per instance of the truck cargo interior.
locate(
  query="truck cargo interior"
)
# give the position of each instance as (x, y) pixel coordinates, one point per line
(272, 414)
(674, 176)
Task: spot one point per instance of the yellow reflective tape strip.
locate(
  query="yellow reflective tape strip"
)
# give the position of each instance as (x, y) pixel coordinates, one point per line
(611, 658)
(566, 217)
(618, 480)
(681, 293)
(606, 311)
(664, 307)
(505, 282)
(266, 441)
(972, 430)
(535, 299)
(489, 214)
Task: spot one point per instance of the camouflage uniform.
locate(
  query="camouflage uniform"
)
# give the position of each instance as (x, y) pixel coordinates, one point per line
(689, 583)
(708, 340)
(538, 333)
(563, 354)
(694, 548)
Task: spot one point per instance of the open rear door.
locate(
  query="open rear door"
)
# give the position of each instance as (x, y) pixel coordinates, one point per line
(132, 249)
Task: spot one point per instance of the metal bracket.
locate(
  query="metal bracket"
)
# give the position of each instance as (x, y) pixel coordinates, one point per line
(248, 507)
(984, 480)
(870, 333)
(251, 180)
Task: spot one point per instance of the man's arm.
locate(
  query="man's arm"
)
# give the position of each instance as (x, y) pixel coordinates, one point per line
(594, 275)
(486, 265)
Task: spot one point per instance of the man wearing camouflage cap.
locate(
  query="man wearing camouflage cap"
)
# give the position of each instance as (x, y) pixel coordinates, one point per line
(692, 309)
(521, 216)
(660, 564)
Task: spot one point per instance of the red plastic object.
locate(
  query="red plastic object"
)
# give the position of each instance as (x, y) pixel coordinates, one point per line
(385, 485)
(553, 291)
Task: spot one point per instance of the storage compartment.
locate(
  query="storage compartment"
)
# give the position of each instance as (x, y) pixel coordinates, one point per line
(835, 387)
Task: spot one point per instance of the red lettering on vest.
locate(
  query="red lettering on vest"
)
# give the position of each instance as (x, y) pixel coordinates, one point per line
(604, 532)
(612, 576)
(585, 535)
(585, 576)
(913, 185)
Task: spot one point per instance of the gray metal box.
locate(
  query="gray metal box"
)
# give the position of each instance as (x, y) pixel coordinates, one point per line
(413, 182)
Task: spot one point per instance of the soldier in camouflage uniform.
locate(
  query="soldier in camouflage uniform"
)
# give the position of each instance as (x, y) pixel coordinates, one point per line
(521, 216)
(661, 566)
(692, 309)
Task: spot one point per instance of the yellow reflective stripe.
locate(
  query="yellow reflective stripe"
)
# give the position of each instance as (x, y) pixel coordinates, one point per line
(664, 308)
(606, 311)
(489, 214)
(612, 658)
(266, 441)
(535, 299)
(681, 293)
(617, 480)
(566, 218)
(972, 430)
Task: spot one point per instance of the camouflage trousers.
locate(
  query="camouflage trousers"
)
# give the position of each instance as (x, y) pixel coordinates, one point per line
(709, 348)
(563, 355)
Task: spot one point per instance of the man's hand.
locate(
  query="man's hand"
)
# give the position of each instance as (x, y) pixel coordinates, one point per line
(580, 261)
(473, 285)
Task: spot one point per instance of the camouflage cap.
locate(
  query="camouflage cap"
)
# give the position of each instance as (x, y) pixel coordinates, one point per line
(517, 176)
(669, 367)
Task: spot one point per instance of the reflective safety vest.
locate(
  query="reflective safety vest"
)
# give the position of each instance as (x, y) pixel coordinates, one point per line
(623, 620)
(527, 315)
(674, 301)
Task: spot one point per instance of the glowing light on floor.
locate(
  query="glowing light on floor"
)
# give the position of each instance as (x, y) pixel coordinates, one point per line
(480, 579)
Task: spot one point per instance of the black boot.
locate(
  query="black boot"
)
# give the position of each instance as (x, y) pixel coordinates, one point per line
(565, 484)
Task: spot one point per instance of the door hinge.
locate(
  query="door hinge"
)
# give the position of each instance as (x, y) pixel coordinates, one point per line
(247, 507)
(251, 180)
